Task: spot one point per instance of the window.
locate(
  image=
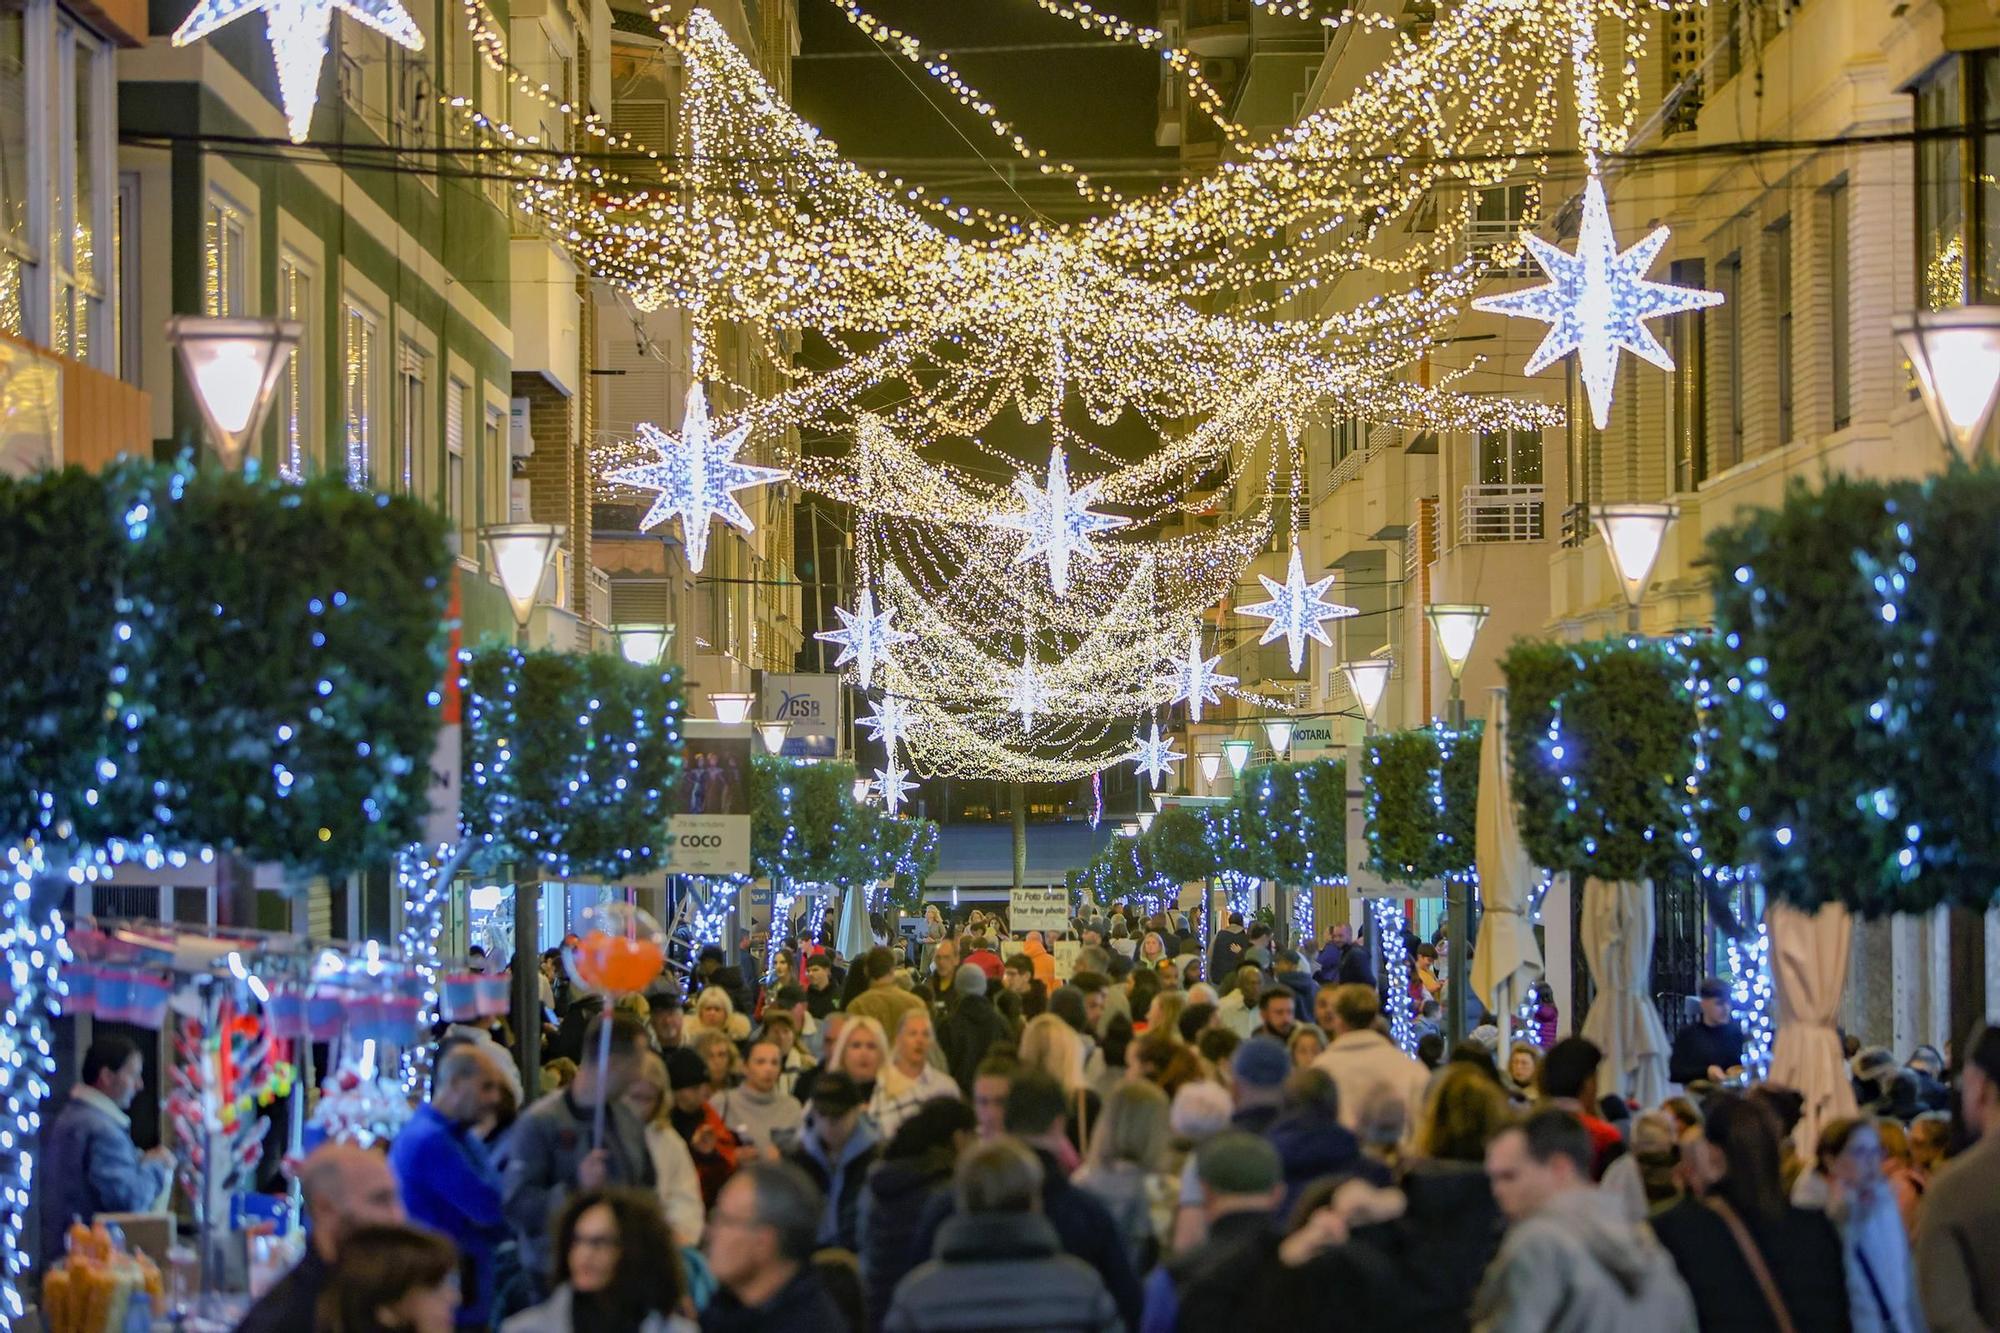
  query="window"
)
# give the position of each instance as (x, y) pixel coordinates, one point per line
(1350, 435)
(1839, 318)
(498, 467)
(78, 222)
(18, 247)
(1958, 196)
(226, 276)
(415, 118)
(1688, 336)
(455, 394)
(412, 371)
(1778, 281)
(1496, 224)
(125, 325)
(360, 357)
(1729, 281)
(1510, 458)
(295, 411)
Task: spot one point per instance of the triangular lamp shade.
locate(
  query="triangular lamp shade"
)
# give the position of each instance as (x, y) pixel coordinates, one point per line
(1956, 356)
(1633, 536)
(233, 366)
(1368, 679)
(521, 554)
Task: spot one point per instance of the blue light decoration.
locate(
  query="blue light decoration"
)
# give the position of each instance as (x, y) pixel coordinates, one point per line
(1751, 998)
(1195, 680)
(1058, 520)
(31, 935)
(1154, 756)
(695, 476)
(1296, 609)
(1390, 925)
(865, 638)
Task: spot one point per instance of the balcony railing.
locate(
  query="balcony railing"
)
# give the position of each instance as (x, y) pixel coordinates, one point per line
(1499, 514)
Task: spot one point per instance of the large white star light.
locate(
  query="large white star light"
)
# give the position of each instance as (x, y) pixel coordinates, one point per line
(888, 721)
(1026, 693)
(891, 783)
(1195, 679)
(1058, 520)
(1597, 301)
(298, 30)
(696, 476)
(864, 637)
(1296, 609)
(1153, 755)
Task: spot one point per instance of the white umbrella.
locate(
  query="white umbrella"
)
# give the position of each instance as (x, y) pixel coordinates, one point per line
(1618, 928)
(1808, 974)
(855, 937)
(1508, 959)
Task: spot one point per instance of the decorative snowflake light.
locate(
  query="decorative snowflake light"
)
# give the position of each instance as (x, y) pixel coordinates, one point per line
(865, 638)
(1195, 679)
(893, 784)
(696, 476)
(1026, 693)
(1597, 301)
(888, 720)
(1057, 520)
(1296, 609)
(1153, 755)
(298, 30)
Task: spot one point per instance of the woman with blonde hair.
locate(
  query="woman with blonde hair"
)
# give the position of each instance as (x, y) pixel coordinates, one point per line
(725, 1062)
(1305, 1045)
(859, 1052)
(1164, 1013)
(1052, 1046)
(1126, 1169)
(714, 1011)
(651, 1100)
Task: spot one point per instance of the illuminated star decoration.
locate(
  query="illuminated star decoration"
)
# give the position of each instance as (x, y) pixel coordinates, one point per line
(1025, 692)
(1296, 609)
(1196, 680)
(297, 30)
(892, 784)
(696, 476)
(864, 637)
(888, 720)
(1057, 520)
(1597, 301)
(1154, 755)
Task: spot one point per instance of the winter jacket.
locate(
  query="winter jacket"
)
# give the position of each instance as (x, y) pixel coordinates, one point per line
(759, 1118)
(545, 1147)
(1140, 1202)
(801, 1306)
(841, 1178)
(898, 1193)
(897, 1096)
(1801, 1249)
(557, 1315)
(1958, 1241)
(1577, 1266)
(1044, 962)
(714, 1167)
(1361, 1062)
(450, 1185)
(292, 1303)
(1435, 1253)
(1313, 1145)
(90, 1165)
(1002, 1271)
(1697, 1046)
(1226, 954)
(1086, 1229)
(974, 1028)
(677, 1182)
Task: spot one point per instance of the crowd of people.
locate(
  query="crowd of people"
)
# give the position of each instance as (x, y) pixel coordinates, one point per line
(946, 1136)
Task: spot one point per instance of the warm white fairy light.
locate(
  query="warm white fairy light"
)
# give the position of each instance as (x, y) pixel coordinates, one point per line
(298, 31)
(1296, 609)
(695, 476)
(1597, 301)
(1057, 520)
(865, 637)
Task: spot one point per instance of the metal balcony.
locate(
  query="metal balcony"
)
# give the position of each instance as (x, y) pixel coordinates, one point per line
(1488, 514)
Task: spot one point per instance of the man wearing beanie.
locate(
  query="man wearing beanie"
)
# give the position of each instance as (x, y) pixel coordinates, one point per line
(1259, 1070)
(1203, 1285)
(973, 1028)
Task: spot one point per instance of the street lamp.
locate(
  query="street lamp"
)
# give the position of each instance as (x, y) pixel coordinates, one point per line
(1456, 625)
(1368, 678)
(1278, 731)
(862, 787)
(1129, 829)
(642, 644)
(1211, 765)
(1145, 821)
(521, 553)
(773, 736)
(731, 708)
(1237, 751)
(233, 366)
(1633, 536)
(1956, 354)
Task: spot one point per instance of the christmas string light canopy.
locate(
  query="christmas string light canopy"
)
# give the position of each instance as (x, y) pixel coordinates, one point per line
(865, 637)
(695, 476)
(1296, 609)
(1026, 692)
(298, 31)
(1597, 301)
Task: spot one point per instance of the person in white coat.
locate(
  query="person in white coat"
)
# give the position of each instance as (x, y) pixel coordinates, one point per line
(1364, 1064)
(678, 1186)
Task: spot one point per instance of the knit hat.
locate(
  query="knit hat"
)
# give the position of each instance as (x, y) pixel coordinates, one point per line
(685, 1068)
(970, 979)
(1261, 1063)
(1233, 1162)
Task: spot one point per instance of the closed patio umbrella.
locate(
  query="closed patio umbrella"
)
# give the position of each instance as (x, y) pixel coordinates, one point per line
(1508, 959)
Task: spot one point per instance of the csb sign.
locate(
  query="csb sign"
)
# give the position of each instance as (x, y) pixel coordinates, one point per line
(810, 703)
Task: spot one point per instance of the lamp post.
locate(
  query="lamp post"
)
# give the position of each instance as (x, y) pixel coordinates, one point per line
(1633, 535)
(1211, 767)
(233, 366)
(1237, 751)
(1456, 625)
(1956, 355)
(1145, 820)
(521, 553)
(643, 644)
(730, 707)
(1278, 731)
(773, 735)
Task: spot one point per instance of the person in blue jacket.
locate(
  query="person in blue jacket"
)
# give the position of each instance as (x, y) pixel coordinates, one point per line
(91, 1165)
(448, 1181)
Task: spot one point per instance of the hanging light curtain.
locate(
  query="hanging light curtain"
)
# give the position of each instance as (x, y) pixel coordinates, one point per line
(1808, 973)
(1618, 930)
